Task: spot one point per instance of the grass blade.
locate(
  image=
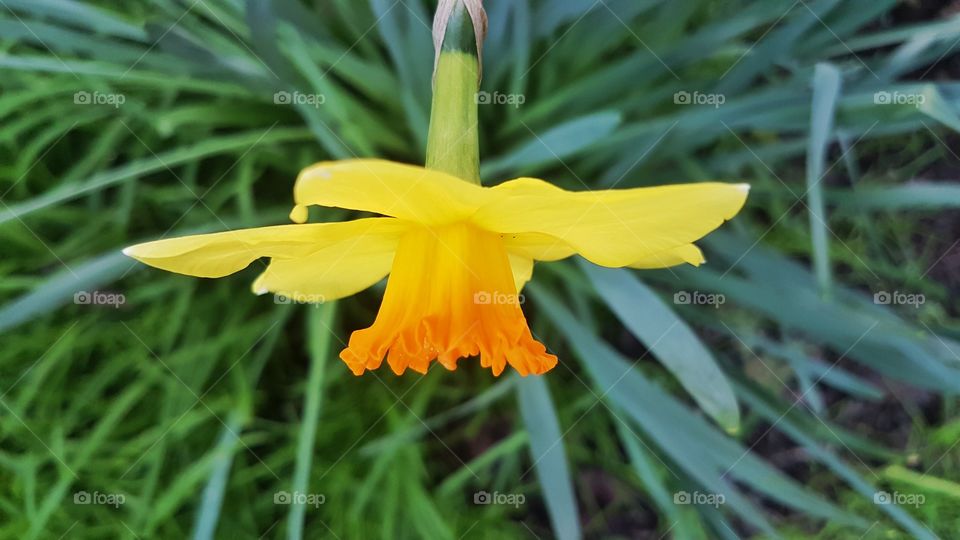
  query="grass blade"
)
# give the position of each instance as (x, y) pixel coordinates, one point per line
(212, 499)
(319, 328)
(670, 340)
(826, 90)
(549, 457)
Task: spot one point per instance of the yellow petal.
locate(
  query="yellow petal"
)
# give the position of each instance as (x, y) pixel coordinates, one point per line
(688, 253)
(332, 272)
(542, 247)
(539, 246)
(611, 228)
(392, 189)
(221, 254)
(522, 268)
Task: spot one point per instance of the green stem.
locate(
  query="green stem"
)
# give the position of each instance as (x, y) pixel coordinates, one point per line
(453, 144)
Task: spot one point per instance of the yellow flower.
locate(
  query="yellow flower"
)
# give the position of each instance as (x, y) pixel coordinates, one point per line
(457, 253)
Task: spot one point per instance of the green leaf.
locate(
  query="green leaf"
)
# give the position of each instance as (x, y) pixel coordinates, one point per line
(826, 90)
(89, 17)
(320, 323)
(709, 457)
(685, 524)
(823, 454)
(556, 144)
(851, 323)
(549, 457)
(670, 340)
(212, 499)
(912, 196)
(160, 162)
(925, 482)
(61, 288)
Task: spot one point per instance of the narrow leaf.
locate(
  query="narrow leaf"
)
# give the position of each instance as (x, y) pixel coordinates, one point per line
(319, 328)
(549, 457)
(826, 89)
(670, 340)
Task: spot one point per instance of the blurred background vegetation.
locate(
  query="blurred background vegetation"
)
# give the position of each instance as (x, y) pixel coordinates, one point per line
(802, 383)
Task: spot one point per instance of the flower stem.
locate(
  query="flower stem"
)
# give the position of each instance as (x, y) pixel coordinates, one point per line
(453, 144)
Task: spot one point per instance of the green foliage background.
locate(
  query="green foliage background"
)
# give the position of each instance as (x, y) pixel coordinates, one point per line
(797, 400)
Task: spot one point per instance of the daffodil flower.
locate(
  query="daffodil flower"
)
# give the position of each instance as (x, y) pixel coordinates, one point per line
(457, 254)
